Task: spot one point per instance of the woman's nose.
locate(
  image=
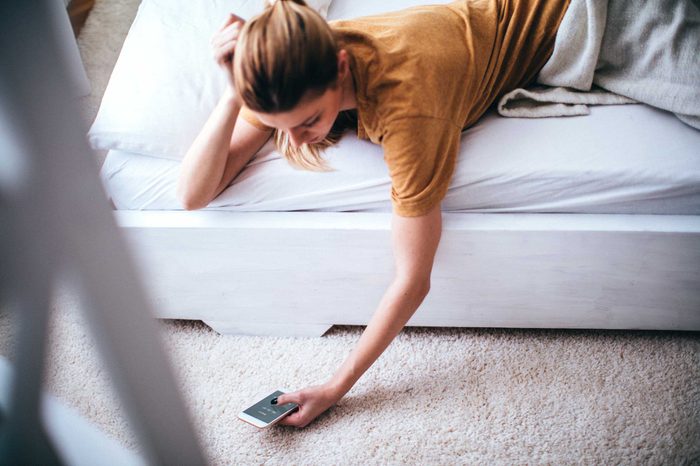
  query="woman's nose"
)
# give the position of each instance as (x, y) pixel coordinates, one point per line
(297, 137)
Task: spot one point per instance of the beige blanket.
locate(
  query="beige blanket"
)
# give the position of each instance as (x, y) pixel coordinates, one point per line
(618, 52)
(542, 101)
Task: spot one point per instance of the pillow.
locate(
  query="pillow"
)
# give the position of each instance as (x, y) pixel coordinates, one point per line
(345, 9)
(165, 82)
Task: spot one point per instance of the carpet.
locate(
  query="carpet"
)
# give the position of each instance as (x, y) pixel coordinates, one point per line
(436, 396)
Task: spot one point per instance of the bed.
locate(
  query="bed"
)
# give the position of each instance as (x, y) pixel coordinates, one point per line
(585, 222)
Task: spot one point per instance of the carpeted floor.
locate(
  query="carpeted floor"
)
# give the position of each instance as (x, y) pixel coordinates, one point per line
(436, 396)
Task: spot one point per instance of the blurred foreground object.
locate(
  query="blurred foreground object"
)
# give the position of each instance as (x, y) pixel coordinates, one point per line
(55, 220)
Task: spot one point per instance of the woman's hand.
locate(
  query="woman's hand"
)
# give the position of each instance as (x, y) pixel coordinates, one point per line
(312, 402)
(223, 44)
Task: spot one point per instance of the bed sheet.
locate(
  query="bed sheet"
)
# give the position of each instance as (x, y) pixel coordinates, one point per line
(630, 159)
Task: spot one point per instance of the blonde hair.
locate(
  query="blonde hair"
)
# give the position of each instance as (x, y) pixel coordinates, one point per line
(284, 54)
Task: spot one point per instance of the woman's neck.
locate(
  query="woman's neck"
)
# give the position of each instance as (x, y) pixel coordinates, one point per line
(348, 102)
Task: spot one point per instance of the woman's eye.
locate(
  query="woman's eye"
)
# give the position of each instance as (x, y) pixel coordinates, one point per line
(308, 125)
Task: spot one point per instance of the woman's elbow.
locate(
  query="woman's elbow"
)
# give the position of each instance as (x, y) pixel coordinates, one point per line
(421, 288)
(191, 205)
(418, 287)
(424, 287)
(188, 200)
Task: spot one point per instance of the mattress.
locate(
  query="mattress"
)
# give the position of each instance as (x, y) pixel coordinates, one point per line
(621, 159)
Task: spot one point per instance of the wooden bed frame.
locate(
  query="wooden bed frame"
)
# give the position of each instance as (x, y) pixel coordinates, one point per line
(299, 273)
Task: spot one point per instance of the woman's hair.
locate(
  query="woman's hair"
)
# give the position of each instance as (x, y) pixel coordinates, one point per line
(284, 53)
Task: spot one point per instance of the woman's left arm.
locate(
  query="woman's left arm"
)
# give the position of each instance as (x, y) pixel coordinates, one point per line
(415, 241)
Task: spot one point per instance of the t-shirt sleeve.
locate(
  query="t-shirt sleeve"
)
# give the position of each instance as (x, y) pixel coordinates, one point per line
(248, 116)
(420, 153)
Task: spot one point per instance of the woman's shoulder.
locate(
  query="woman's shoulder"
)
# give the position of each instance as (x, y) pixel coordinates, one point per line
(422, 37)
(421, 18)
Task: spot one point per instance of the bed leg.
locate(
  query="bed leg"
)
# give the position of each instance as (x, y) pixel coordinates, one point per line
(268, 329)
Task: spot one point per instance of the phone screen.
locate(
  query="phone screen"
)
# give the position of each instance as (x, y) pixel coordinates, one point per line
(266, 411)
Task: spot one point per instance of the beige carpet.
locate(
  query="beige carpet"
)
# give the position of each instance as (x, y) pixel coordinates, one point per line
(436, 396)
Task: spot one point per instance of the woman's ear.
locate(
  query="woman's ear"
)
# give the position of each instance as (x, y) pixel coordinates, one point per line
(343, 64)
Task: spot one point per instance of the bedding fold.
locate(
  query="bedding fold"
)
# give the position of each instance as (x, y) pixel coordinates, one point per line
(615, 52)
(542, 102)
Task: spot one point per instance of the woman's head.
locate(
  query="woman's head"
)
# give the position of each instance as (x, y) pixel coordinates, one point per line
(287, 69)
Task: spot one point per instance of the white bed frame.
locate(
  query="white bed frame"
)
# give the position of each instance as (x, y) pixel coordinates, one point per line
(299, 273)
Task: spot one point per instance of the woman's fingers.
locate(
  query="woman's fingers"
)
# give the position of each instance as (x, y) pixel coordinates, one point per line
(294, 419)
(312, 401)
(230, 32)
(230, 18)
(223, 53)
(224, 43)
(293, 397)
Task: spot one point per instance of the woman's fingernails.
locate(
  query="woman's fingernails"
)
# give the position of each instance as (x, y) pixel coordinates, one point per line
(274, 401)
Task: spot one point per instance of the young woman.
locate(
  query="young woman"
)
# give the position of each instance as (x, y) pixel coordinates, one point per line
(410, 81)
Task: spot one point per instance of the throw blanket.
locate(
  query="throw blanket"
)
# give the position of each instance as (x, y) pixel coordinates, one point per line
(541, 101)
(616, 52)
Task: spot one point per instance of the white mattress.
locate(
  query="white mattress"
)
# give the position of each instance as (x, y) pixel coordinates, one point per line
(620, 159)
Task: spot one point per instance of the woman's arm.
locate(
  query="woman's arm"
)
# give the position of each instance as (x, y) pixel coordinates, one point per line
(225, 144)
(204, 163)
(415, 241)
(223, 147)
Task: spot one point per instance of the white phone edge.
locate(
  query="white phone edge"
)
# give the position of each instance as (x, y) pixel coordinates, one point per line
(255, 421)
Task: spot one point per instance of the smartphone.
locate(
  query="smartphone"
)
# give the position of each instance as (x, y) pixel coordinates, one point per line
(264, 414)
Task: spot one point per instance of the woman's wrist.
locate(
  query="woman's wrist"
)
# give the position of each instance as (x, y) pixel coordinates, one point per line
(339, 386)
(231, 95)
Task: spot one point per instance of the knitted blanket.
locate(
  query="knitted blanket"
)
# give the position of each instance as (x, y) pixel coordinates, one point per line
(618, 52)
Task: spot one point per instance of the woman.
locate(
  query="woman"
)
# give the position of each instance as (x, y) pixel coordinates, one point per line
(410, 80)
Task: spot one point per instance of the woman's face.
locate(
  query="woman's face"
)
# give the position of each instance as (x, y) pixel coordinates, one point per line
(310, 121)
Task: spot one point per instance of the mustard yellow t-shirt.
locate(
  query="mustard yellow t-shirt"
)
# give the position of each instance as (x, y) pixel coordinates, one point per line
(424, 74)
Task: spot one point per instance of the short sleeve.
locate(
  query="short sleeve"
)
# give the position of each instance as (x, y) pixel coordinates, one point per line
(248, 116)
(420, 153)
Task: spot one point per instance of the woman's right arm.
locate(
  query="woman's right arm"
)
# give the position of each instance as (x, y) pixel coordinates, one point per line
(223, 147)
(226, 143)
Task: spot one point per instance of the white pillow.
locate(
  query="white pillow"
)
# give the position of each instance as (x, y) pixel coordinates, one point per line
(165, 82)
